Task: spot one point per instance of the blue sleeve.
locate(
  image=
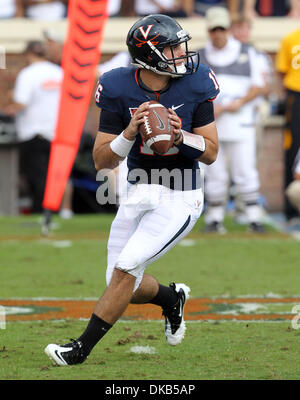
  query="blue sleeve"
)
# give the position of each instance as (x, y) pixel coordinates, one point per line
(108, 94)
(111, 122)
(212, 88)
(203, 114)
(203, 85)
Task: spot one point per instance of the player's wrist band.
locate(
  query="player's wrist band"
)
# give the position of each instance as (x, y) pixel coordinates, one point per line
(121, 146)
(179, 136)
(192, 146)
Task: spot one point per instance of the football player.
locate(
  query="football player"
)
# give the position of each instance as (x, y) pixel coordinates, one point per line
(157, 213)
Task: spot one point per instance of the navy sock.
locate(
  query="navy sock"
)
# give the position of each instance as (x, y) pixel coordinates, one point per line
(94, 331)
(166, 297)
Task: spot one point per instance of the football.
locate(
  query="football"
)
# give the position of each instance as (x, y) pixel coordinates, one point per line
(157, 132)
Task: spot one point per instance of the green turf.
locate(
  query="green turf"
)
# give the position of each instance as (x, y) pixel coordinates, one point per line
(210, 351)
(237, 264)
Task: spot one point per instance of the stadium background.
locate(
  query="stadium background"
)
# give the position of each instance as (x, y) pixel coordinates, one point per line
(266, 35)
(238, 277)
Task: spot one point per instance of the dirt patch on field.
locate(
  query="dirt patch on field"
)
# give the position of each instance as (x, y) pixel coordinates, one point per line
(196, 309)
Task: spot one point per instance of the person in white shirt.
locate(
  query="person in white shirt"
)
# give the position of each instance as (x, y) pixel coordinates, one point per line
(45, 10)
(241, 31)
(113, 8)
(241, 82)
(11, 9)
(173, 8)
(35, 107)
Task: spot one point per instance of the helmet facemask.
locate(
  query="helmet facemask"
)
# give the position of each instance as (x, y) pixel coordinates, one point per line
(170, 66)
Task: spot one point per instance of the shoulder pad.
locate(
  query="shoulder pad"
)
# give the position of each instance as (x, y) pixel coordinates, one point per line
(203, 84)
(110, 88)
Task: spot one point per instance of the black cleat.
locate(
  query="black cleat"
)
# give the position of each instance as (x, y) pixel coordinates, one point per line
(67, 354)
(174, 322)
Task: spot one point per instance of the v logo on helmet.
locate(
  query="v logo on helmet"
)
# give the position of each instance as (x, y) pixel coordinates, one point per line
(145, 34)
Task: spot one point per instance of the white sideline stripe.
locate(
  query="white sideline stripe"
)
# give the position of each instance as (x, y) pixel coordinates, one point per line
(289, 238)
(51, 242)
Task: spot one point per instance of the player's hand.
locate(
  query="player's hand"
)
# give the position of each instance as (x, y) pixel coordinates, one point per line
(175, 121)
(137, 119)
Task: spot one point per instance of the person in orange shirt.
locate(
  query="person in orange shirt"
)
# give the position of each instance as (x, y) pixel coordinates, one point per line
(288, 66)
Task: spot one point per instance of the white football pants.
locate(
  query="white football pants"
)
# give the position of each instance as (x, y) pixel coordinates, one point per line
(148, 224)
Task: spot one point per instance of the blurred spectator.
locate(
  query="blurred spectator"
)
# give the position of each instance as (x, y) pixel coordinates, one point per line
(11, 9)
(173, 8)
(79, 194)
(293, 189)
(127, 8)
(294, 10)
(114, 7)
(235, 66)
(50, 10)
(121, 59)
(241, 31)
(66, 207)
(81, 197)
(54, 43)
(36, 101)
(201, 6)
(288, 65)
(271, 8)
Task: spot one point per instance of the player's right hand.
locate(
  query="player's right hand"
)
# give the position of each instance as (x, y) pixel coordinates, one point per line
(137, 119)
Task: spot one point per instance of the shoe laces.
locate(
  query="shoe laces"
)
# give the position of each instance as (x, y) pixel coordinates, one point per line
(77, 347)
(74, 343)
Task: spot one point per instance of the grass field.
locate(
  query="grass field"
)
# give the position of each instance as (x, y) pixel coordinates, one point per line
(246, 286)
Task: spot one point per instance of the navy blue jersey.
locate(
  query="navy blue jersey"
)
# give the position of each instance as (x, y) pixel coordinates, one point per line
(119, 92)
